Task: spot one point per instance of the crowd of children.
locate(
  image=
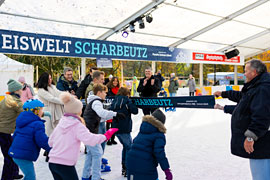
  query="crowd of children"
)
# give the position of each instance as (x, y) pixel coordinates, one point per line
(63, 144)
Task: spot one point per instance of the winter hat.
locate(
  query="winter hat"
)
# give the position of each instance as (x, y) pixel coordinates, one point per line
(21, 79)
(159, 115)
(71, 104)
(162, 89)
(32, 104)
(134, 78)
(13, 85)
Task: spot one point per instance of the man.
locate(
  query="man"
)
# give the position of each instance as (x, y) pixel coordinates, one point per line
(85, 83)
(148, 87)
(160, 78)
(251, 119)
(98, 77)
(66, 82)
(191, 85)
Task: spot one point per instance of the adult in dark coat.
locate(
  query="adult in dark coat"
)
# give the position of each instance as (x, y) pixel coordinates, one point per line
(160, 78)
(148, 149)
(251, 119)
(66, 82)
(80, 93)
(148, 87)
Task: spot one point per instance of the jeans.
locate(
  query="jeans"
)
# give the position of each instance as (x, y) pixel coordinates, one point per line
(27, 168)
(10, 168)
(63, 172)
(172, 94)
(92, 163)
(126, 141)
(260, 169)
(102, 130)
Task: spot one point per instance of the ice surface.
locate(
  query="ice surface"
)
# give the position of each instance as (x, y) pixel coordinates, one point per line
(198, 148)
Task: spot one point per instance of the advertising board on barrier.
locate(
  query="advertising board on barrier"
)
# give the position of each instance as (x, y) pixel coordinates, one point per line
(15, 42)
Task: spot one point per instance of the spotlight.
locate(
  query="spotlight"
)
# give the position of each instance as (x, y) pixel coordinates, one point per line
(125, 34)
(149, 18)
(131, 27)
(141, 23)
(232, 53)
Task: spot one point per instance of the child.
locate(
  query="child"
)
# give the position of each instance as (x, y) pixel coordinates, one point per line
(123, 104)
(93, 113)
(66, 139)
(162, 93)
(147, 150)
(29, 137)
(10, 108)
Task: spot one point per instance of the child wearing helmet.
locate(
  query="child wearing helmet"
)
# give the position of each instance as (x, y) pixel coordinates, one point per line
(29, 137)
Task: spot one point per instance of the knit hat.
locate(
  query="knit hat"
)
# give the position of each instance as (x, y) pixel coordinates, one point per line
(13, 85)
(159, 115)
(21, 79)
(71, 104)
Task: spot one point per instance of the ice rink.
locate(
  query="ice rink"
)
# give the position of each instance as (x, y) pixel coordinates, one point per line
(198, 148)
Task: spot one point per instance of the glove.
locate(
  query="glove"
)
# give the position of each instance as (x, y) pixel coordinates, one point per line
(168, 174)
(110, 132)
(47, 113)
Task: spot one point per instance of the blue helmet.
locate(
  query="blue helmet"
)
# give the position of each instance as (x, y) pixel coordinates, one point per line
(32, 104)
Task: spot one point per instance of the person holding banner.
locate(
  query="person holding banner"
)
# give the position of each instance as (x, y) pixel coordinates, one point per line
(251, 119)
(148, 87)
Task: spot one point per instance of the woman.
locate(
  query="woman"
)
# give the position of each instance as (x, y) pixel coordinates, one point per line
(49, 95)
(134, 87)
(10, 108)
(113, 87)
(191, 85)
(26, 90)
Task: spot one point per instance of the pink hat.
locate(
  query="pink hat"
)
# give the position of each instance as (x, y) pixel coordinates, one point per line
(71, 104)
(21, 79)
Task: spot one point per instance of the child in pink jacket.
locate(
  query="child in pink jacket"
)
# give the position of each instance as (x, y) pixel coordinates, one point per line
(67, 137)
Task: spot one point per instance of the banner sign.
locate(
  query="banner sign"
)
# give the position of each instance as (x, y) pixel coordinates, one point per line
(179, 102)
(15, 42)
(198, 56)
(104, 63)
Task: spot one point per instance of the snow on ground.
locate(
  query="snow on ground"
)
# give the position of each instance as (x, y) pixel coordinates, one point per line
(198, 148)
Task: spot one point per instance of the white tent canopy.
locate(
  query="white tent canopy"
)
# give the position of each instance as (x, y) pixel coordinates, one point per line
(11, 69)
(207, 25)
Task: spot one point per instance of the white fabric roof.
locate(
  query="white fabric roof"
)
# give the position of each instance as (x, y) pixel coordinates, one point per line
(8, 65)
(207, 25)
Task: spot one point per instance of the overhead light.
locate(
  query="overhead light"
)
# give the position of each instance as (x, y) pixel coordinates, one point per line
(149, 18)
(232, 53)
(132, 27)
(141, 23)
(125, 34)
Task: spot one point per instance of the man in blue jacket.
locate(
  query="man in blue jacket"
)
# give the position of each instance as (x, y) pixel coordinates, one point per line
(66, 82)
(251, 119)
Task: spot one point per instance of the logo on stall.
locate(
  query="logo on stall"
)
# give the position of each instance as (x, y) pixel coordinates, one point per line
(199, 56)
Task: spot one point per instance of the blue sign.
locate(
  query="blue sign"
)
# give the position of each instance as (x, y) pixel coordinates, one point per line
(15, 42)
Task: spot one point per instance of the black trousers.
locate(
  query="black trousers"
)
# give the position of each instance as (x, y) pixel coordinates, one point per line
(148, 111)
(63, 172)
(10, 168)
(191, 93)
(108, 126)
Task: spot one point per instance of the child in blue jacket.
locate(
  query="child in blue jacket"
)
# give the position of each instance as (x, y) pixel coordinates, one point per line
(29, 137)
(122, 104)
(148, 150)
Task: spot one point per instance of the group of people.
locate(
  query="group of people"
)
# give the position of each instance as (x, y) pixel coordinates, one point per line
(55, 123)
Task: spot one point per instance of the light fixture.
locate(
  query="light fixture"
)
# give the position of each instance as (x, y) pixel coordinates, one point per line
(141, 23)
(232, 53)
(125, 34)
(132, 27)
(149, 18)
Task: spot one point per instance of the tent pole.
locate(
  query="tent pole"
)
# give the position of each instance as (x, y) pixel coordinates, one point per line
(83, 67)
(235, 75)
(201, 75)
(153, 67)
(122, 74)
(36, 74)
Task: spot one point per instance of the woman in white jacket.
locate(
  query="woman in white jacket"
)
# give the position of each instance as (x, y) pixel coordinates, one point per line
(49, 95)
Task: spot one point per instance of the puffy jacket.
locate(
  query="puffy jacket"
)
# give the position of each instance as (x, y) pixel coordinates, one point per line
(66, 140)
(64, 85)
(123, 104)
(149, 90)
(251, 117)
(173, 87)
(29, 137)
(83, 86)
(147, 150)
(8, 115)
